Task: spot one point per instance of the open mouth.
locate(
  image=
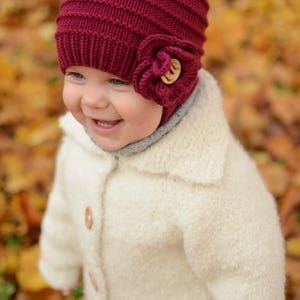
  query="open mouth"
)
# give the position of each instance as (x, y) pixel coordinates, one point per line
(106, 124)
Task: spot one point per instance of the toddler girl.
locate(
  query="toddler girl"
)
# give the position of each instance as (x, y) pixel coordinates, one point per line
(153, 197)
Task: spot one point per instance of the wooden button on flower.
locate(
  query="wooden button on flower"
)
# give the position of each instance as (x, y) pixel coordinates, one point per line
(173, 74)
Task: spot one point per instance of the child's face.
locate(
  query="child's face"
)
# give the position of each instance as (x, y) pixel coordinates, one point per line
(109, 108)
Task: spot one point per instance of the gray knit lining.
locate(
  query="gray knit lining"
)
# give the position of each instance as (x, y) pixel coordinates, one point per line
(141, 145)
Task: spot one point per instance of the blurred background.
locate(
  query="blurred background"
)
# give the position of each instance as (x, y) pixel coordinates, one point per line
(253, 49)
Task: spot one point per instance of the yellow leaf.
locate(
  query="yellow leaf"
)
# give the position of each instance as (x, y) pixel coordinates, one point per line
(14, 222)
(36, 133)
(46, 31)
(17, 178)
(276, 177)
(37, 16)
(7, 74)
(293, 247)
(9, 261)
(3, 205)
(28, 275)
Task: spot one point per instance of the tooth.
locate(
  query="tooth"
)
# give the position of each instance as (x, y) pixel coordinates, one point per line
(104, 124)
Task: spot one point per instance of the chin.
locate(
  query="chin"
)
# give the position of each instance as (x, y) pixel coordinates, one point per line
(110, 147)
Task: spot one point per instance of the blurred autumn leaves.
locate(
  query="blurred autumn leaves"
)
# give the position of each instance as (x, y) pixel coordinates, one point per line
(29, 104)
(253, 49)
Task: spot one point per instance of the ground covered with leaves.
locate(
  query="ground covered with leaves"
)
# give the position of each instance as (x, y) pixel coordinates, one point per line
(253, 49)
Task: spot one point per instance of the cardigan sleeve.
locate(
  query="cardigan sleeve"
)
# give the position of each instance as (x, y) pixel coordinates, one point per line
(60, 261)
(232, 237)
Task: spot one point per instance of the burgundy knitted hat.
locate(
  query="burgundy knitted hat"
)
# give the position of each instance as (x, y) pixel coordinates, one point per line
(154, 44)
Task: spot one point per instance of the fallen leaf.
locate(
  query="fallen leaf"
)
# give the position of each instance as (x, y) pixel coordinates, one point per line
(9, 261)
(281, 147)
(289, 211)
(28, 265)
(293, 247)
(276, 177)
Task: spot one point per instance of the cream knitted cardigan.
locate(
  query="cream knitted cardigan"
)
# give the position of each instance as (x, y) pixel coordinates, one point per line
(188, 218)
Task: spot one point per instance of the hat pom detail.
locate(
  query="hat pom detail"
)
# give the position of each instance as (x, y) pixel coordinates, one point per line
(154, 58)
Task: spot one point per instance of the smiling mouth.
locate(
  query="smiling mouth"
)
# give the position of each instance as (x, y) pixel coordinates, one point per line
(106, 124)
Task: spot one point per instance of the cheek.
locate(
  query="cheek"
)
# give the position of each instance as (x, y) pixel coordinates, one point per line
(147, 116)
(152, 112)
(70, 99)
(156, 116)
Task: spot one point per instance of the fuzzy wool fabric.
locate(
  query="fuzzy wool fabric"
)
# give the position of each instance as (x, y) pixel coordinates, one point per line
(188, 218)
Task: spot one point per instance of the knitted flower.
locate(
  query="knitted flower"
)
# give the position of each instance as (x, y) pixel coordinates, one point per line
(155, 56)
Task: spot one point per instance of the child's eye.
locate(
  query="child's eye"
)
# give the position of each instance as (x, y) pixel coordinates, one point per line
(116, 81)
(74, 75)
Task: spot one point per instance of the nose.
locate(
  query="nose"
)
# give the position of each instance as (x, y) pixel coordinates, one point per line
(95, 97)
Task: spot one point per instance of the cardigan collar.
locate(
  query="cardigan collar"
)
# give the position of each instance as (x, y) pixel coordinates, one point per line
(194, 150)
